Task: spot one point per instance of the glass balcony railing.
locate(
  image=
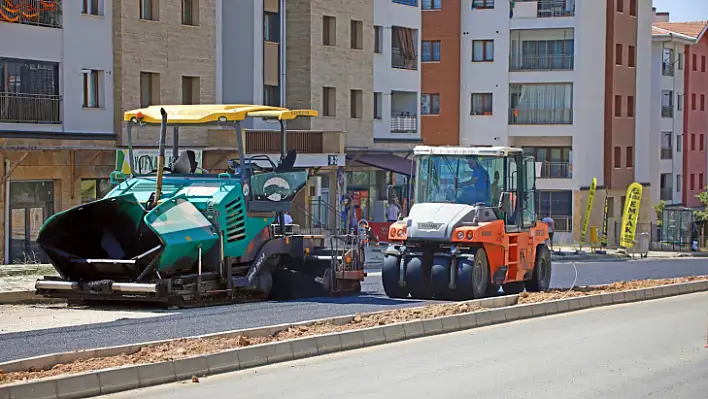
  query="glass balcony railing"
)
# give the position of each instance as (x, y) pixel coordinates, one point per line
(556, 170)
(541, 116)
(536, 62)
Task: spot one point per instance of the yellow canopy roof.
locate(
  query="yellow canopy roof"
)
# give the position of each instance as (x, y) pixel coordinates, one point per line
(211, 113)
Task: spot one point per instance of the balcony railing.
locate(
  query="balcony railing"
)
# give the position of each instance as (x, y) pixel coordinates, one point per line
(556, 8)
(413, 3)
(30, 108)
(667, 111)
(400, 62)
(535, 62)
(666, 194)
(404, 123)
(667, 69)
(556, 170)
(268, 141)
(32, 12)
(667, 153)
(541, 116)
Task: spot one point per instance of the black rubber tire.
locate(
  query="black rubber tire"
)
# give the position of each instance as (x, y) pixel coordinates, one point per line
(541, 277)
(480, 275)
(291, 284)
(492, 290)
(465, 291)
(418, 278)
(265, 281)
(513, 288)
(440, 278)
(389, 277)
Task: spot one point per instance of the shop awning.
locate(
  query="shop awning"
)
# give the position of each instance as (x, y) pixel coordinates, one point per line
(389, 162)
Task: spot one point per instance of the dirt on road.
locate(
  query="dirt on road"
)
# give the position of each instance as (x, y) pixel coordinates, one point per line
(188, 347)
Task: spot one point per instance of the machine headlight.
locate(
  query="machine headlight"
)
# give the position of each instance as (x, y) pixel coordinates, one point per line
(246, 190)
(400, 233)
(469, 235)
(460, 235)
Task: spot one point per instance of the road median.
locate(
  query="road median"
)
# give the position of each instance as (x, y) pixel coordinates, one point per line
(102, 371)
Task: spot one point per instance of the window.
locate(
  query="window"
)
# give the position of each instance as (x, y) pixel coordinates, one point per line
(678, 183)
(558, 205)
(679, 142)
(190, 90)
(329, 31)
(700, 182)
(633, 8)
(431, 51)
(667, 65)
(618, 157)
(432, 4)
(618, 54)
(93, 189)
(150, 10)
(618, 106)
(693, 142)
(92, 82)
(666, 146)
(679, 102)
(623, 200)
(430, 104)
(329, 101)
(90, 7)
(543, 55)
(703, 102)
(620, 5)
(667, 104)
(665, 189)
(692, 182)
(694, 62)
(693, 101)
(482, 50)
(541, 104)
(271, 95)
(631, 53)
(149, 89)
(271, 27)
(39, 79)
(630, 156)
(378, 106)
(378, 39)
(482, 4)
(630, 106)
(703, 63)
(610, 207)
(190, 12)
(700, 143)
(356, 103)
(680, 61)
(356, 35)
(556, 161)
(481, 104)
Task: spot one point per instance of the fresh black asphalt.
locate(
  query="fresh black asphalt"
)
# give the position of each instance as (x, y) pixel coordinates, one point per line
(191, 322)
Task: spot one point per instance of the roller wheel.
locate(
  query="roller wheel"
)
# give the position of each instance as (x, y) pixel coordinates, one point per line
(541, 278)
(513, 288)
(479, 276)
(465, 291)
(389, 277)
(418, 278)
(440, 278)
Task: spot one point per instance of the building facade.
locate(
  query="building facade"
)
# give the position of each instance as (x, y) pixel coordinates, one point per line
(57, 139)
(536, 74)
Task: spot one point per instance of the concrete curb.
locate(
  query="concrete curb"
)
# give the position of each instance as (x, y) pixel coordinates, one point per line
(19, 297)
(131, 377)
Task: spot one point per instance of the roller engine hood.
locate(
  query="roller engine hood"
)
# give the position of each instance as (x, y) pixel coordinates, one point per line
(436, 222)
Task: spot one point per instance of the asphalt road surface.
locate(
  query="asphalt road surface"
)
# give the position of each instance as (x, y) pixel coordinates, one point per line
(191, 322)
(652, 349)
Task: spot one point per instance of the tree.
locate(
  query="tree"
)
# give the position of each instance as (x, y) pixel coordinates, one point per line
(702, 215)
(659, 210)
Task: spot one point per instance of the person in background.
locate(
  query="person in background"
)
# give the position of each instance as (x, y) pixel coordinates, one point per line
(392, 211)
(551, 227)
(288, 218)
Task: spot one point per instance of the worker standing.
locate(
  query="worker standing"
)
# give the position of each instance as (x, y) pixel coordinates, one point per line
(551, 227)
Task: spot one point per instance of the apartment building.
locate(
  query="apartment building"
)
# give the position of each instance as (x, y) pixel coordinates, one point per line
(680, 119)
(567, 80)
(57, 138)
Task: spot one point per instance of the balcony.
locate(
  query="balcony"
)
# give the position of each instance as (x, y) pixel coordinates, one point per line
(46, 13)
(667, 111)
(556, 170)
(535, 62)
(541, 116)
(30, 108)
(544, 8)
(302, 141)
(404, 48)
(404, 122)
(667, 153)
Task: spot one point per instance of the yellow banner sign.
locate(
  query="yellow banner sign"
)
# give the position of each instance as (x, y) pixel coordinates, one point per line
(588, 211)
(630, 215)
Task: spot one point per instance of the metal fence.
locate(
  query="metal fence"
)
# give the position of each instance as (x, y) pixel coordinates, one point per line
(30, 108)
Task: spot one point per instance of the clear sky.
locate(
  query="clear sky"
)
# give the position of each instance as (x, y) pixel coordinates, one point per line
(683, 10)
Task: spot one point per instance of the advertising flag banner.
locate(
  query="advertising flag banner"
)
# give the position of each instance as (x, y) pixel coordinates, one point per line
(630, 215)
(588, 211)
